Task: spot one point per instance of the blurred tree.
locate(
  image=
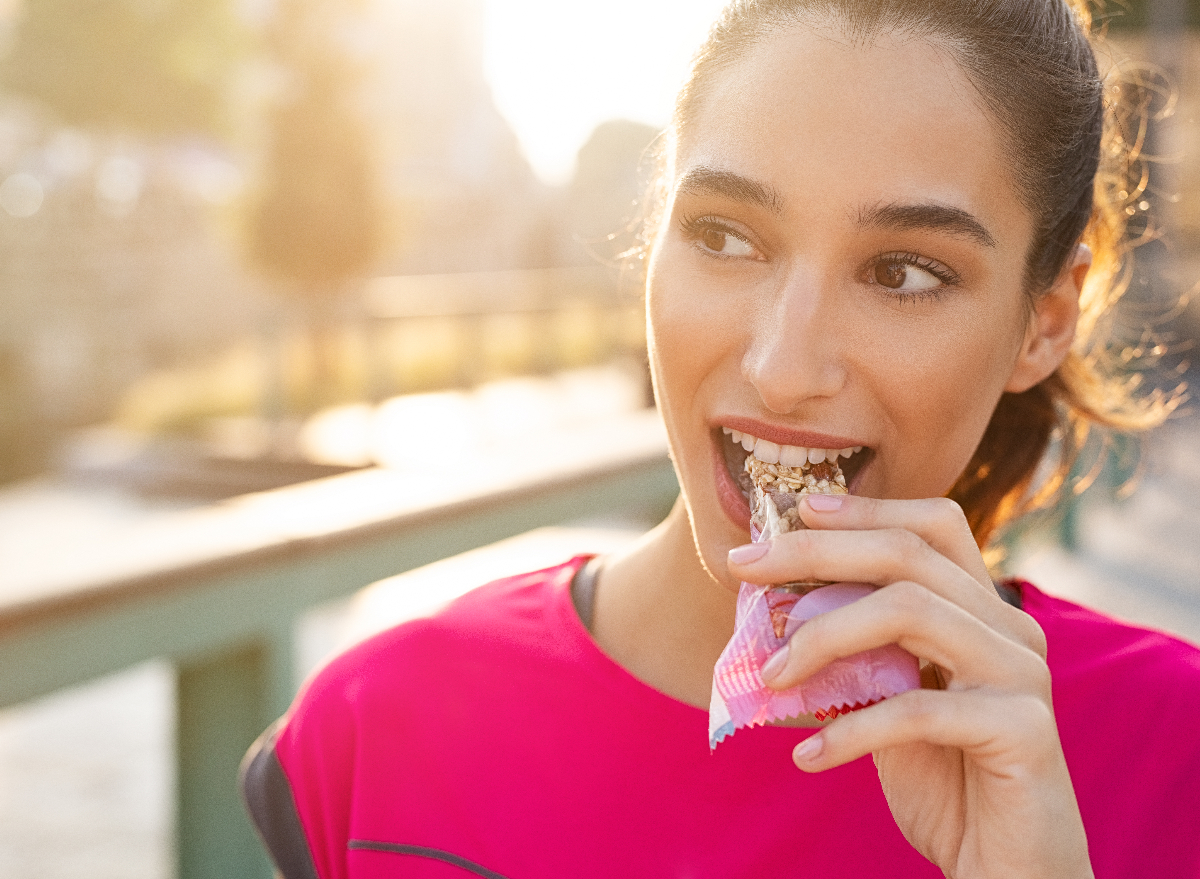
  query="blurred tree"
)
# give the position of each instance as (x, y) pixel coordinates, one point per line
(147, 66)
(318, 225)
(116, 69)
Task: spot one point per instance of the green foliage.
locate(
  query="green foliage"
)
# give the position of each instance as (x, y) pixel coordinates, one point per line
(147, 66)
(1135, 15)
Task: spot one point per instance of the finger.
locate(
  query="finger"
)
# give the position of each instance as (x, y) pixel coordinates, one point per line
(883, 557)
(1009, 745)
(998, 730)
(969, 652)
(940, 522)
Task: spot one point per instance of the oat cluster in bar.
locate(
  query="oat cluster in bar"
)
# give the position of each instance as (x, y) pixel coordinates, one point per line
(783, 487)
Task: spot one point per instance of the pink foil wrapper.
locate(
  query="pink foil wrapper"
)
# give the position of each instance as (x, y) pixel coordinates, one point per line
(739, 696)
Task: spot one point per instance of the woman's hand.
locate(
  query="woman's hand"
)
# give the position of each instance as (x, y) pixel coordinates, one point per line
(971, 765)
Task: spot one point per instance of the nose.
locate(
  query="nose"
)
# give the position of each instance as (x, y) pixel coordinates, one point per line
(796, 348)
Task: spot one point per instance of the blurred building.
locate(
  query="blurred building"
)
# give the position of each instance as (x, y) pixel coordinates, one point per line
(466, 198)
(605, 200)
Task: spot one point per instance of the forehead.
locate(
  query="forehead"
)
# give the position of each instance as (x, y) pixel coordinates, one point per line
(827, 120)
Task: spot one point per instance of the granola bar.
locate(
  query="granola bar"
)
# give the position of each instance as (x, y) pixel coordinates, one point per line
(775, 495)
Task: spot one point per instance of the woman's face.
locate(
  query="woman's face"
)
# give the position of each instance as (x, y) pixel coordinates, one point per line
(839, 265)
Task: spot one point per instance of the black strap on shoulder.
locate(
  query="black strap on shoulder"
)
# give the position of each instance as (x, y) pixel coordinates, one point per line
(1009, 593)
(272, 807)
(583, 591)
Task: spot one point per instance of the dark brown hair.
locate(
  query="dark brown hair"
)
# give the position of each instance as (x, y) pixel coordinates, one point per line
(1073, 146)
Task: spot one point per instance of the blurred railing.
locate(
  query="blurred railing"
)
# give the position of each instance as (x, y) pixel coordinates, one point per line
(218, 590)
(523, 320)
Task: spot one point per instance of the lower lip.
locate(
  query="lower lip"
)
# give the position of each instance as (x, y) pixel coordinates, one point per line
(733, 502)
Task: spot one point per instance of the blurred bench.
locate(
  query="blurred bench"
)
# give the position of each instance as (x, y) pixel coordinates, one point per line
(218, 590)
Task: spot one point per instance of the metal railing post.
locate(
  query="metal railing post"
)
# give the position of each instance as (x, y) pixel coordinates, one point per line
(225, 702)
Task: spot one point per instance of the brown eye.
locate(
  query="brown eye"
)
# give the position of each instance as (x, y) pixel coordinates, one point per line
(891, 274)
(713, 239)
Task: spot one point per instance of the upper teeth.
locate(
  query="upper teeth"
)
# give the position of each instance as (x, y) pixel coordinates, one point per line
(789, 456)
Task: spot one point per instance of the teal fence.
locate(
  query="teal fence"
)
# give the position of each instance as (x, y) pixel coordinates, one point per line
(218, 591)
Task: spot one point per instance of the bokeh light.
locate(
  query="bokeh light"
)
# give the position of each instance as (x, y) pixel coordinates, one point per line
(21, 194)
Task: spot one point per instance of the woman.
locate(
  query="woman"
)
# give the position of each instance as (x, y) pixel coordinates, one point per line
(876, 230)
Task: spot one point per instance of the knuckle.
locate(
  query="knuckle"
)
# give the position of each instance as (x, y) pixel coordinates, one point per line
(1029, 633)
(917, 708)
(1037, 638)
(906, 545)
(1031, 713)
(815, 634)
(805, 550)
(873, 509)
(1024, 672)
(1037, 677)
(950, 512)
(910, 599)
(801, 540)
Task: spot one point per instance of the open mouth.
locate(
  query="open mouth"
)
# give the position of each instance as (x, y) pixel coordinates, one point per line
(737, 446)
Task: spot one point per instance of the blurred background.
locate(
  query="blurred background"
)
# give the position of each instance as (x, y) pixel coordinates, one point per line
(199, 201)
(249, 243)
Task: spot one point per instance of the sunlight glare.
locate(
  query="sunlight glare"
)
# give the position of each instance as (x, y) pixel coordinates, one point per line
(559, 69)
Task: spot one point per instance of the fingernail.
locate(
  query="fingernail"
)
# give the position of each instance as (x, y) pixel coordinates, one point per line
(825, 502)
(750, 552)
(809, 749)
(774, 666)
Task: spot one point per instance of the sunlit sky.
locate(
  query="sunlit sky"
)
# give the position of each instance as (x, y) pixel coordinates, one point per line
(559, 67)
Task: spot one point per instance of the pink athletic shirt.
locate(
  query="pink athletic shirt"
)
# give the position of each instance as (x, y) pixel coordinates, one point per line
(496, 739)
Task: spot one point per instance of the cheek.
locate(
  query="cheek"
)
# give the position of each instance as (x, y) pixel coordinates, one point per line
(942, 391)
(688, 331)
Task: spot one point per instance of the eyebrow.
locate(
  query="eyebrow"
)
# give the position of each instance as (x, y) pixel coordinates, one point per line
(702, 180)
(932, 217)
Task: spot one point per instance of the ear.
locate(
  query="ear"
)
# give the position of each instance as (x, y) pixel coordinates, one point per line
(1051, 329)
